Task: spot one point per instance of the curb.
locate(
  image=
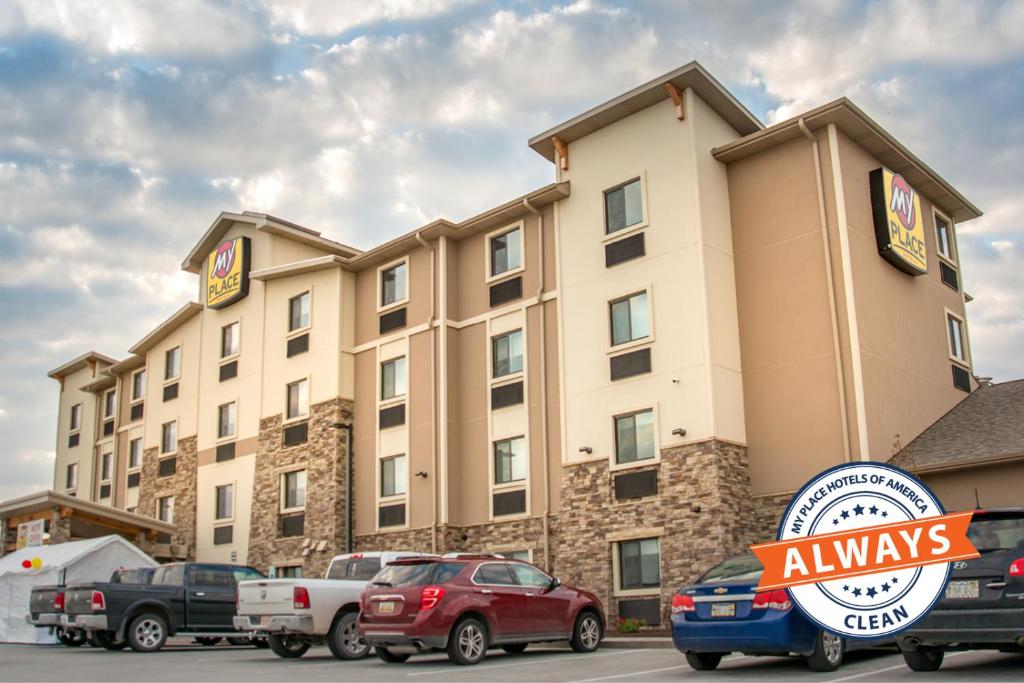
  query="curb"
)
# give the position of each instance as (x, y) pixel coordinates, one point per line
(656, 643)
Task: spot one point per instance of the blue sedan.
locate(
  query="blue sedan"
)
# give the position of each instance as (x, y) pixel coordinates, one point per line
(721, 614)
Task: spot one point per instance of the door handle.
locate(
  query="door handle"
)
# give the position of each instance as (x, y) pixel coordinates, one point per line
(486, 591)
(996, 584)
(531, 595)
(199, 594)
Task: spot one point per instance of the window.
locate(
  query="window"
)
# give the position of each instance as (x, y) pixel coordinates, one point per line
(108, 403)
(224, 507)
(392, 378)
(229, 340)
(530, 576)
(134, 453)
(71, 479)
(106, 461)
(354, 569)
(298, 312)
(76, 417)
(506, 252)
(944, 238)
(393, 476)
(172, 363)
(393, 284)
(522, 555)
(138, 385)
(226, 420)
(623, 207)
(509, 460)
(630, 319)
(294, 489)
(957, 348)
(634, 437)
(507, 354)
(294, 572)
(639, 564)
(169, 437)
(165, 509)
(298, 399)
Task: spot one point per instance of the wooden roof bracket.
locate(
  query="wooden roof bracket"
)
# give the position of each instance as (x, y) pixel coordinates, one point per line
(677, 99)
(562, 150)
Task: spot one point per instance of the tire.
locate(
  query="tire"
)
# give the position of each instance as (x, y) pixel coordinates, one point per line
(343, 638)
(386, 655)
(287, 647)
(515, 648)
(108, 641)
(923, 659)
(586, 632)
(828, 652)
(147, 632)
(467, 644)
(239, 642)
(207, 642)
(703, 661)
(71, 638)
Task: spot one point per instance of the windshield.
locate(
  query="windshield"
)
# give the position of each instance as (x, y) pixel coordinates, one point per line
(418, 574)
(992, 533)
(745, 568)
(354, 569)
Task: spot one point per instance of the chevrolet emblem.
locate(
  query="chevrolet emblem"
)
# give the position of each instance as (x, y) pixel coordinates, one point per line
(721, 591)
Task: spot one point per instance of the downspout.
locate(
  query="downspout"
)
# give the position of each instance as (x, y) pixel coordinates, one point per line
(433, 397)
(545, 451)
(830, 282)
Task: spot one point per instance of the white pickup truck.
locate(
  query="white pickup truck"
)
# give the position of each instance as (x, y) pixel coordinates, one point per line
(295, 614)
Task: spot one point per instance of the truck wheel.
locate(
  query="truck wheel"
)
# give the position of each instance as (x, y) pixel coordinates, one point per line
(287, 647)
(343, 639)
(828, 652)
(586, 634)
(108, 641)
(207, 642)
(71, 638)
(386, 655)
(147, 632)
(703, 661)
(468, 642)
(923, 659)
(239, 641)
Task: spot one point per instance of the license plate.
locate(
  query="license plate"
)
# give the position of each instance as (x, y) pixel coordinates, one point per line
(386, 607)
(723, 609)
(962, 590)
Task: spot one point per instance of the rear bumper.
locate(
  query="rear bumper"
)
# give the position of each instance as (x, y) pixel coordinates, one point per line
(771, 634)
(399, 637)
(87, 622)
(45, 619)
(275, 624)
(973, 626)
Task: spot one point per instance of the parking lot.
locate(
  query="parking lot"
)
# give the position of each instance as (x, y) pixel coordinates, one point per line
(192, 663)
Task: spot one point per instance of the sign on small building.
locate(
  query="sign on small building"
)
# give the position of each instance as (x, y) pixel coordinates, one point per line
(30, 534)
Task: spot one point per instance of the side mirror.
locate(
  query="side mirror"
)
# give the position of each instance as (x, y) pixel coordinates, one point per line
(555, 583)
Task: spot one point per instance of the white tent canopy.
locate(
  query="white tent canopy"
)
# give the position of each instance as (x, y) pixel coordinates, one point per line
(94, 559)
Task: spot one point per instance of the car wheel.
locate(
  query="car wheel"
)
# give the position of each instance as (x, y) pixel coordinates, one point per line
(828, 652)
(344, 640)
(386, 655)
(703, 661)
(238, 642)
(207, 642)
(71, 638)
(467, 644)
(147, 633)
(586, 634)
(923, 659)
(108, 641)
(287, 647)
(515, 648)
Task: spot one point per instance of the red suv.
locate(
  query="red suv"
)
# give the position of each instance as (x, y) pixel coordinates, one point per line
(465, 604)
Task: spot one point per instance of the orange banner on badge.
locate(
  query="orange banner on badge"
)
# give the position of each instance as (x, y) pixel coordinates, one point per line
(824, 557)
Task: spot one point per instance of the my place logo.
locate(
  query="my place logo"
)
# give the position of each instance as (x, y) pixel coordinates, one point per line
(865, 550)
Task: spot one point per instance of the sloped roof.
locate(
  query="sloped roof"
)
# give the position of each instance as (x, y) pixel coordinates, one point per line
(180, 316)
(986, 427)
(79, 363)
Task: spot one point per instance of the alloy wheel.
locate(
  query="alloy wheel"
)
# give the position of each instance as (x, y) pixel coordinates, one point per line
(471, 642)
(833, 647)
(351, 641)
(149, 633)
(590, 632)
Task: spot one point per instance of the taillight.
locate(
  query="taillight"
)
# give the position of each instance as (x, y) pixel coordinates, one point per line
(98, 602)
(1017, 567)
(300, 598)
(682, 603)
(430, 596)
(58, 601)
(778, 600)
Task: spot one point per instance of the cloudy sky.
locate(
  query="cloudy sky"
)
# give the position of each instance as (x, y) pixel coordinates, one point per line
(125, 127)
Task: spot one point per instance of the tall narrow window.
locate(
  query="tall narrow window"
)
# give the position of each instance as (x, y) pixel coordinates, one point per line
(106, 466)
(629, 319)
(169, 437)
(944, 238)
(623, 207)
(138, 385)
(634, 437)
(298, 312)
(293, 485)
(76, 417)
(957, 347)
(506, 251)
(108, 403)
(229, 340)
(172, 363)
(298, 399)
(393, 284)
(226, 420)
(509, 460)
(71, 479)
(639, 564)
(392, 378)
(165, 509)
(507, 354)
(393, 476)
(134, 453)
(225, 506)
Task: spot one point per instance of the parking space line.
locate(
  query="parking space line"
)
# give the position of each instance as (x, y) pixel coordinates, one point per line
(539, 660)
(649, 671)
(873, 672)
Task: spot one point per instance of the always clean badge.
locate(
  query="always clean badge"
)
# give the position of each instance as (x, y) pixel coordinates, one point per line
(227, 273)
(864, 550)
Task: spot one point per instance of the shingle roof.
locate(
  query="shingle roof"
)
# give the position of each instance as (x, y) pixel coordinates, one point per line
(985, 426)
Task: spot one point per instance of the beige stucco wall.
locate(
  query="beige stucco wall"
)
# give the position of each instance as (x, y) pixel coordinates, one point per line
(240, 473)
(84, 452)
(998, 486)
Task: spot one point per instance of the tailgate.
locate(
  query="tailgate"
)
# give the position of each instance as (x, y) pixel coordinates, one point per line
(392, 605)
(78, 600)
(270, 596)
(41, 599)
(724, 602)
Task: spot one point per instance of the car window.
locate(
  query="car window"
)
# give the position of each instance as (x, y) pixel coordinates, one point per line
(997, 532)
(528, 575)
(417, 574)
(246, 574)
(211, 577)
(742, 568)
(169, 575)
(354, 569)
(446, 571)
(494, 574)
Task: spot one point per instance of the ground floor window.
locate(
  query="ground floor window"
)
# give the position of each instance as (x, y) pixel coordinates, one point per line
(639, 564)
(293, 572)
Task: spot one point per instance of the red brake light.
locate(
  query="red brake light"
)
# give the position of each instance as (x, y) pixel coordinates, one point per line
(58, 601)
(430, 596)
(300, 598)
(98, 602)
(778, 600)
(682, 603)
(1017, 567)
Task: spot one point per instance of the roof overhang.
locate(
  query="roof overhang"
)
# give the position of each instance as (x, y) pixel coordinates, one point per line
(298, 268)
(965, 464)
(179, 317)
(692, 75)
(77, 364)
(863, 130)
(127, 365)
(44, 500)
(104, 382)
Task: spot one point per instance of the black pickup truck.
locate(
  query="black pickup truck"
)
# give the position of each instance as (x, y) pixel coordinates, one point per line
(183, 598)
